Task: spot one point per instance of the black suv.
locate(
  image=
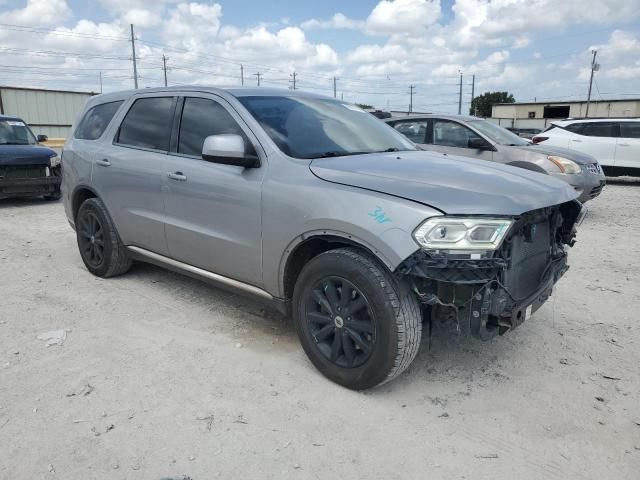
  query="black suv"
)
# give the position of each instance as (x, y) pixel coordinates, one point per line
(27, 169)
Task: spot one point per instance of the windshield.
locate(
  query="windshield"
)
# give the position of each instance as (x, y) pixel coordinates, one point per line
(314, 128)
(15, 132)
(498, 134)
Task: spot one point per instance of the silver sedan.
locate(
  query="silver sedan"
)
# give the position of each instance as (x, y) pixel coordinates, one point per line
(477, 138)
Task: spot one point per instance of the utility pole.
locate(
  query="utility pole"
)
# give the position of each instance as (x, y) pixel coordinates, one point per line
(100, 82)
(473, 91)
(594, 68)
(133, 49)
(460, 96)
(258, 75)
(293, 75)
(164, 67)
(241, 74)
(335, 93)
(411, 89)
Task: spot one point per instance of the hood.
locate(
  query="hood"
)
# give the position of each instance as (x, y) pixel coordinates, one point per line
(25, 155)
(453, 185)
(578, 157)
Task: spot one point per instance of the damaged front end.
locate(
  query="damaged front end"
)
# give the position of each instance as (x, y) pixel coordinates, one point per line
(492, 290)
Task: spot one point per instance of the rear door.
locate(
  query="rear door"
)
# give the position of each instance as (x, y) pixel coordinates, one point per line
(453, 138)
(213, 211)
(597, 139)
(628, 145)
(414, 130)
(129, 173)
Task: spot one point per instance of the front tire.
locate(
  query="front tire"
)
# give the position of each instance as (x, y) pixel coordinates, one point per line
(100, 246)
(358, 325)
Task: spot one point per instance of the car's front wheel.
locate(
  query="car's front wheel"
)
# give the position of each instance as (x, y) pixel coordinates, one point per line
(358, 325)
(100, 246)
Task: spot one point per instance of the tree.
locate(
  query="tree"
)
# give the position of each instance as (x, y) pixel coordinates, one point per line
(481, 105)
(364, 106)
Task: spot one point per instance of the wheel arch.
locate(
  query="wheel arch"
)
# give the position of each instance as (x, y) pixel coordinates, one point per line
(307, 246)
(79, 195)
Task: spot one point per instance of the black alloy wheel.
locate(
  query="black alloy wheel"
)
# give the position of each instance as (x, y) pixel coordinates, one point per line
(91, 239)
(341, 322)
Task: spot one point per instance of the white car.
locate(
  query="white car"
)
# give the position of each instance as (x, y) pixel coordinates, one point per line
(614, 142)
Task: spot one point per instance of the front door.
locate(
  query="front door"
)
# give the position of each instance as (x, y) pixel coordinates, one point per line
(628, 145)
(453, 138)
(213, 211)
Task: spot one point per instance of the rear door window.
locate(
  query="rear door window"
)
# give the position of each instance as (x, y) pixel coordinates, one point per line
(415, 130)
(202, 117)
(452, 134)
(575, 128)
(96, 120)
(599, 129)
(148, 123)
(630, 129)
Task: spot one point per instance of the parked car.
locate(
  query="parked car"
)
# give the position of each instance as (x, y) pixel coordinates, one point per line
(320, 208)
(27, 169)
(527, 133)
(480, 139)
(615, 142)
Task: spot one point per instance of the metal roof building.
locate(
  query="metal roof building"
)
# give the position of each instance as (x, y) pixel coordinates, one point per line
(48, 112)
(540, 114)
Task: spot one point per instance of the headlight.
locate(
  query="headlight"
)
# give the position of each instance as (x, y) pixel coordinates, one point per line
(451, 233)
(564, 164)
(54, 161)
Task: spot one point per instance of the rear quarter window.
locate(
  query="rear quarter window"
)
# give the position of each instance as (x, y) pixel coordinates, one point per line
(148, 123)
(96, 120)
(575, 127)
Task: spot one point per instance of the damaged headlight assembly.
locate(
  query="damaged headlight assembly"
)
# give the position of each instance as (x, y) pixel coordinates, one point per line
(462, 234)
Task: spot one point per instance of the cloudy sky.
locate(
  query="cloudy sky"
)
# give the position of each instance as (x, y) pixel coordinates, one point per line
(376, 49)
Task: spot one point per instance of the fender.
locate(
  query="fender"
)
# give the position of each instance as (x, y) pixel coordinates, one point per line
(528, 166)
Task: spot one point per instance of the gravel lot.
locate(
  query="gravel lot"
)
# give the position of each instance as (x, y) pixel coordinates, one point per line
(163, 376)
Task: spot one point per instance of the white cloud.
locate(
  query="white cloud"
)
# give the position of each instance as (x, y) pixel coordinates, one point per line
(338, 21)
(402, 16)
(142, 18)
(37, 13)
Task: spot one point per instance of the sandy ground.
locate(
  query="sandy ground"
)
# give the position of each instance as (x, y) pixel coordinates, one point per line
(163, 376)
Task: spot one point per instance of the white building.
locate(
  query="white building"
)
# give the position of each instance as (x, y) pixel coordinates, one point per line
(48, 112)
(540, 114)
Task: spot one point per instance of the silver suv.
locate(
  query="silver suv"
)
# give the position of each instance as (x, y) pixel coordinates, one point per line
(321, 209)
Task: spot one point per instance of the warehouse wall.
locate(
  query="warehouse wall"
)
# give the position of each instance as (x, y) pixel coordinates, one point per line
(629, 108)
(48, 112)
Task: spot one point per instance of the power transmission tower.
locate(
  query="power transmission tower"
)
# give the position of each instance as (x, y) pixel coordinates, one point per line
(164, 67)
(473, 91)
(460, 96)
(294, 75)
(241, 74)
(335, 93)
(100, 82)
(594, 68)
(411, 89)
(258, 75)
(133, 49)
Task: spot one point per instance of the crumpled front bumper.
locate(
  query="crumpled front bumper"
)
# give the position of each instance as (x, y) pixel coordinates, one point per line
(16, 186)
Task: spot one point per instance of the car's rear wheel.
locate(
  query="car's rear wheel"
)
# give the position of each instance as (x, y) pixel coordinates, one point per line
(100, 246)
(359, 325)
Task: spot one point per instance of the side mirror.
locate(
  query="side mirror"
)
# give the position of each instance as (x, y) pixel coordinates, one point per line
(228, 149)
(42, 138)
(479, 144)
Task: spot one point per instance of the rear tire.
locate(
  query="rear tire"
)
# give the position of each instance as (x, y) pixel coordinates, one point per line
(100, 246)
(358, 325)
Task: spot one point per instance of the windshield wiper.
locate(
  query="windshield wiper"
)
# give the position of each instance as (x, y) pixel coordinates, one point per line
(336, 154)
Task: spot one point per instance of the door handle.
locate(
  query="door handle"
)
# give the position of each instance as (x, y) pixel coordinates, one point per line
(574, 140)
(624, 145)
(179, 176)
(103, 162)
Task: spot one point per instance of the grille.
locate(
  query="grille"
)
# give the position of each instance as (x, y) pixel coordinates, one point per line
(530, 250)
(20, 172)
(593, 168)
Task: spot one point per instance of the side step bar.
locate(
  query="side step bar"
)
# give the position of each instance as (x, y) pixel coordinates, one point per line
(141, 254)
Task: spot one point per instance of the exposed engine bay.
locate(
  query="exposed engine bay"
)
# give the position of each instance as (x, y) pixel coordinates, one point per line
(489, 293)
